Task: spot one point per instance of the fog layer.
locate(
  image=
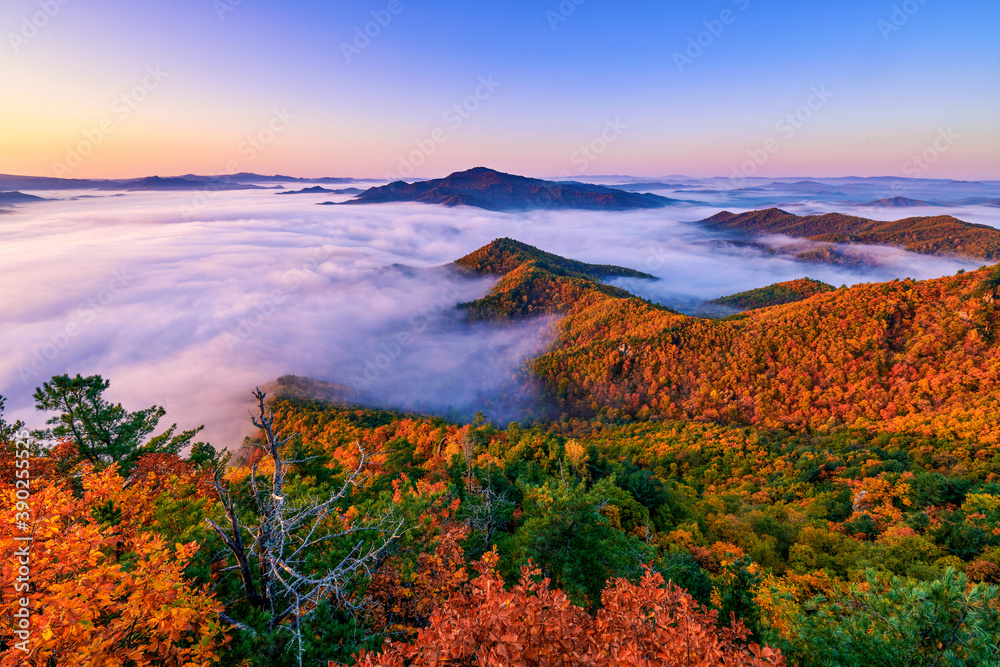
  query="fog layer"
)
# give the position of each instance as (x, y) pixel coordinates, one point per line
(189, 301)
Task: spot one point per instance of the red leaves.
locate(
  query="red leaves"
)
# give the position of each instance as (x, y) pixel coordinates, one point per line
(405, 603)
(644, 624)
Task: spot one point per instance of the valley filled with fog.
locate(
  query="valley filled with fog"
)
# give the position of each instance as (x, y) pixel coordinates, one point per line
(189, 300)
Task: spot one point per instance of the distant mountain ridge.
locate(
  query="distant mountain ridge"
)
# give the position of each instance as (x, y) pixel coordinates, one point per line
(496, 191)
(319, 189)
(647, 185)
(179, 183)
(933, 235)
(189, 181)
(898, 202)
(248, 177)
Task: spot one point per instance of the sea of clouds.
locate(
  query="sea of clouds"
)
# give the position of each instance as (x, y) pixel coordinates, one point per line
(191, 301)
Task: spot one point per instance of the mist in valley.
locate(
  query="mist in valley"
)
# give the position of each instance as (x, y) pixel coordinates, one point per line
(190, 301)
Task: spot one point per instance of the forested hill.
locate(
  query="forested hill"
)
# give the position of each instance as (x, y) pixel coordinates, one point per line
(914, 356)
(935, 235)
(777, 294)
(897, 356)
(502, 256)
(821, 478)
(535, 282)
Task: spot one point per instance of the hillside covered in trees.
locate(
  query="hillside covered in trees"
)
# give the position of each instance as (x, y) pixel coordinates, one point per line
(933, 235)
(534, 282)
(777, 294)
(811, 483)
(900, 356)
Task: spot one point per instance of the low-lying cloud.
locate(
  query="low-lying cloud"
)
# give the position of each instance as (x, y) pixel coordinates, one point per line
(192, 312)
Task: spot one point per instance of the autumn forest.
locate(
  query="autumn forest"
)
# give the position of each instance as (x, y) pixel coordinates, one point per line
(814, 480)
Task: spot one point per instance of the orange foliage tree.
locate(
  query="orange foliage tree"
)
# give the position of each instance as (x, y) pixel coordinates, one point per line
(401, 602)
(101, 590)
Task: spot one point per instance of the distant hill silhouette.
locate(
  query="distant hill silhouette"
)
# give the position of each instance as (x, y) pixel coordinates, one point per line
(319, 189)
(14, 182)
(178, 183)
(647, 185)
(803, 187)
(18, 198)
(188, 181)
(898, 202)
(934, 235)
(496, 191)
(248, 177)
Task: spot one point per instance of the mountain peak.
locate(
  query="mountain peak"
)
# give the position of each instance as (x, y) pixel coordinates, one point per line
(479, 171)
(503, 255)
(535, 282)
(497, 191)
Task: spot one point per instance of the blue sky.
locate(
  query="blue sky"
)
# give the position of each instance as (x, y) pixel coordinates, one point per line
(894, 75)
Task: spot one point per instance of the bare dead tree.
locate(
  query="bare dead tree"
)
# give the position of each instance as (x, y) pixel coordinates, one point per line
(271, 562)
(484, 506)
(469, 452)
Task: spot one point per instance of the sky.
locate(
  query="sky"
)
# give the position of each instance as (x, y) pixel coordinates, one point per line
(412, 88)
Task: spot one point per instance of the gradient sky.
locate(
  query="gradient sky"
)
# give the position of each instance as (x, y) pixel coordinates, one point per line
(230, 65)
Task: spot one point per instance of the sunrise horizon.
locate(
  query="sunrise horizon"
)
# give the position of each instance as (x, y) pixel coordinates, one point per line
(525, 333)
(107, 91)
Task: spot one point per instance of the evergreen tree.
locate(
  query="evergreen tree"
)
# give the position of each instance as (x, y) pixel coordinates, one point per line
(105, 433)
